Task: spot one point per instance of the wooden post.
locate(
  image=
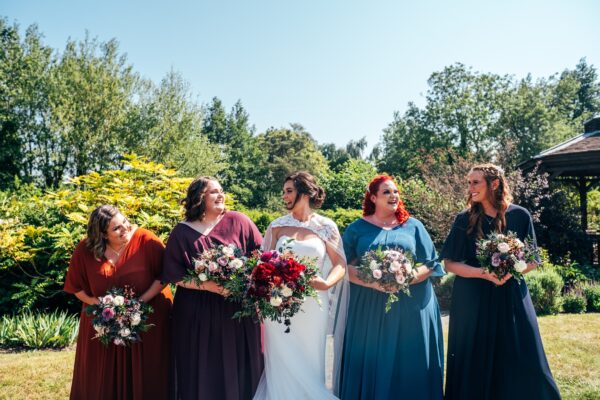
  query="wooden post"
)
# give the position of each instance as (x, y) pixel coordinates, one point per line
(583, 188)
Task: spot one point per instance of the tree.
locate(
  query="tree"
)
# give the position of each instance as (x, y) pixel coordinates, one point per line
(337, 156)
(346, 187)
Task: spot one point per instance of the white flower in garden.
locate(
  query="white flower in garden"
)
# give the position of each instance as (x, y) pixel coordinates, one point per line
(373, 265)
(106, 299)
(124, 332)
(286, 291)
(395, 266)
(202, 277)
(213, 266)
(503, 247)
(228, 251)
(520, 266)
(118, 300)
(236, 263)
(136, 319)
(377, 273)
(276, 301)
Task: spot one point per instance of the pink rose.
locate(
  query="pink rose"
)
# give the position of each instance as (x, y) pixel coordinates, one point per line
(108, 314)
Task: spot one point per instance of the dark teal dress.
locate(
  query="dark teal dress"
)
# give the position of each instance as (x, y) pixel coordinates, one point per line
(398, 355)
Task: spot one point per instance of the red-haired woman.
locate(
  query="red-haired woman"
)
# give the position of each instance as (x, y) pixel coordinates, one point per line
(494, 345)
(399, 354)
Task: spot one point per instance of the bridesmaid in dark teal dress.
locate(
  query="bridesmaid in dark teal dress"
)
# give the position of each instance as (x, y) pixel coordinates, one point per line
(399, 354)
(495, 351)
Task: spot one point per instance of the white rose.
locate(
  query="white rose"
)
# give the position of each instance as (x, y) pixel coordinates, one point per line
(213, 266)
(286, 291)
(118, 342)
(520, 244)
(407, 267)
(395, 266)
(118, 300)
(107, 299)
(377, 273)
(136, 319)
(228, 251)
(400, 279)
(202, 277)
(373, 265)
(236, 263)
(198, 265)
(124, 332)
(276, 301)
(520, 266)
(503, 247)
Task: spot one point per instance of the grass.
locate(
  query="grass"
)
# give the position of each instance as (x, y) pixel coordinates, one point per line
(572, 344)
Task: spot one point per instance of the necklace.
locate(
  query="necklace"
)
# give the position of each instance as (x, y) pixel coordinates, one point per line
(380, 222)
(118, 253)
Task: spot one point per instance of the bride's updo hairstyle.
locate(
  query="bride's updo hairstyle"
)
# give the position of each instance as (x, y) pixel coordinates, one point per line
(500, 199)
(306, 184)
(372, 189)
(194, 200)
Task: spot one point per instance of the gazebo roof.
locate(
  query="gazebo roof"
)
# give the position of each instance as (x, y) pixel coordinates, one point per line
(576, 157)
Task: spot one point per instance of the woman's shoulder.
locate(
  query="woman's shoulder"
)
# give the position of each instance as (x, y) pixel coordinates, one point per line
(146, 235)
(237, 217)
(516, 211)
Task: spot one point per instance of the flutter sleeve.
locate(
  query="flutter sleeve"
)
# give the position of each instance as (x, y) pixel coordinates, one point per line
(455, 246)
(425, 251)
(252, 237)
(76, 279)
(174, 264)
(350, 240)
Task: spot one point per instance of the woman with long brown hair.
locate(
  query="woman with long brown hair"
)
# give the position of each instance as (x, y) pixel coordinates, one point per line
(214, 355)
(494, 345)
(398, 354)
(117, 254)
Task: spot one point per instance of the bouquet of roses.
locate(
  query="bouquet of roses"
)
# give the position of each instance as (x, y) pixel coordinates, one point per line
(278, 284)
(391, 269)
(502, 254)
(120, 317)
(223, 264)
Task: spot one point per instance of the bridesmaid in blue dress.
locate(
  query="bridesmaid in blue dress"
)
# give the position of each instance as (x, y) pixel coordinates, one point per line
(399, 354)
(494, 347)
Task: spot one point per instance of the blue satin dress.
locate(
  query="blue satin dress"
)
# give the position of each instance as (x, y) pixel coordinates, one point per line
(399, 354)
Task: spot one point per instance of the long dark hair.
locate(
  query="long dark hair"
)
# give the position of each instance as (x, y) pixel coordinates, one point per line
(369, 207)
(500, 199)
(305, 183)
(195, 207)
(97, 228)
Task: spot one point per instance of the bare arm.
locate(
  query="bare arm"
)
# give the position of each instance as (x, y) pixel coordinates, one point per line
(466, 271)
(422, 273)
(83, 296)
(337, 272)
(209, 286)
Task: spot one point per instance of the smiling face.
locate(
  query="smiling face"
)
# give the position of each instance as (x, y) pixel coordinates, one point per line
(289, 194)
(387, 197)
(479, 190)
(214, 198)
(118, 231)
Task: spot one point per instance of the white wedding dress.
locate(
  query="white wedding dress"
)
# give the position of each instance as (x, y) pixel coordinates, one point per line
(295, 361)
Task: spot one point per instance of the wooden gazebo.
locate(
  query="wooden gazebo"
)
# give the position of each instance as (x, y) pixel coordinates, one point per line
(575, 161)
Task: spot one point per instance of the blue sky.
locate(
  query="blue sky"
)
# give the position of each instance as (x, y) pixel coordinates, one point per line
(340, 68)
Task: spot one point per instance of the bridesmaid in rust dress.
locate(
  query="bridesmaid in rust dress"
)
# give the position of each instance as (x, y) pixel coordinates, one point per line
(215, 356)
(115, 254)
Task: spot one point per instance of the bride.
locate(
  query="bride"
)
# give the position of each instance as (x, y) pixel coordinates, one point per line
(295, 361)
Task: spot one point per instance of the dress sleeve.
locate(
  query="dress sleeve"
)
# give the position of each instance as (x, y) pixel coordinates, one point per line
(426, 253)
(350, 239)
(173, 266)
(155, 250)
(253, 237)
(455, 247)
(76, 280)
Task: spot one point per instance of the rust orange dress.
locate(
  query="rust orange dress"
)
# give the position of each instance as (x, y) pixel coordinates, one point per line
(139, 371)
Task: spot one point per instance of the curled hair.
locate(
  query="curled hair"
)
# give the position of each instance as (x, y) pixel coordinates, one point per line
(195, 207)
(369, 207)
(499, 199)
(306, 184)
(98, 227)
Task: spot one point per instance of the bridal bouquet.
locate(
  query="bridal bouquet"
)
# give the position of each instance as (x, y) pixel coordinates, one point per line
(391, 269)
(278, 284)
(223, 264)
(502, 254)
(120, 317)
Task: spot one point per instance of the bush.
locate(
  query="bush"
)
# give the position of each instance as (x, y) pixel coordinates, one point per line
(545, 286)
(574, 302)
(443, 290)
(38, 331)
(591, 292)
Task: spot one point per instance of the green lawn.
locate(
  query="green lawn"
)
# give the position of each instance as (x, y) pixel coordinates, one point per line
(572, 344)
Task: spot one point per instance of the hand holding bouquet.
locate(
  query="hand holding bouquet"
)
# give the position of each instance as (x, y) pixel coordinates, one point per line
(278, 284)
(223, 264)
(120, 317)
(502, 254)
(392, 269)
